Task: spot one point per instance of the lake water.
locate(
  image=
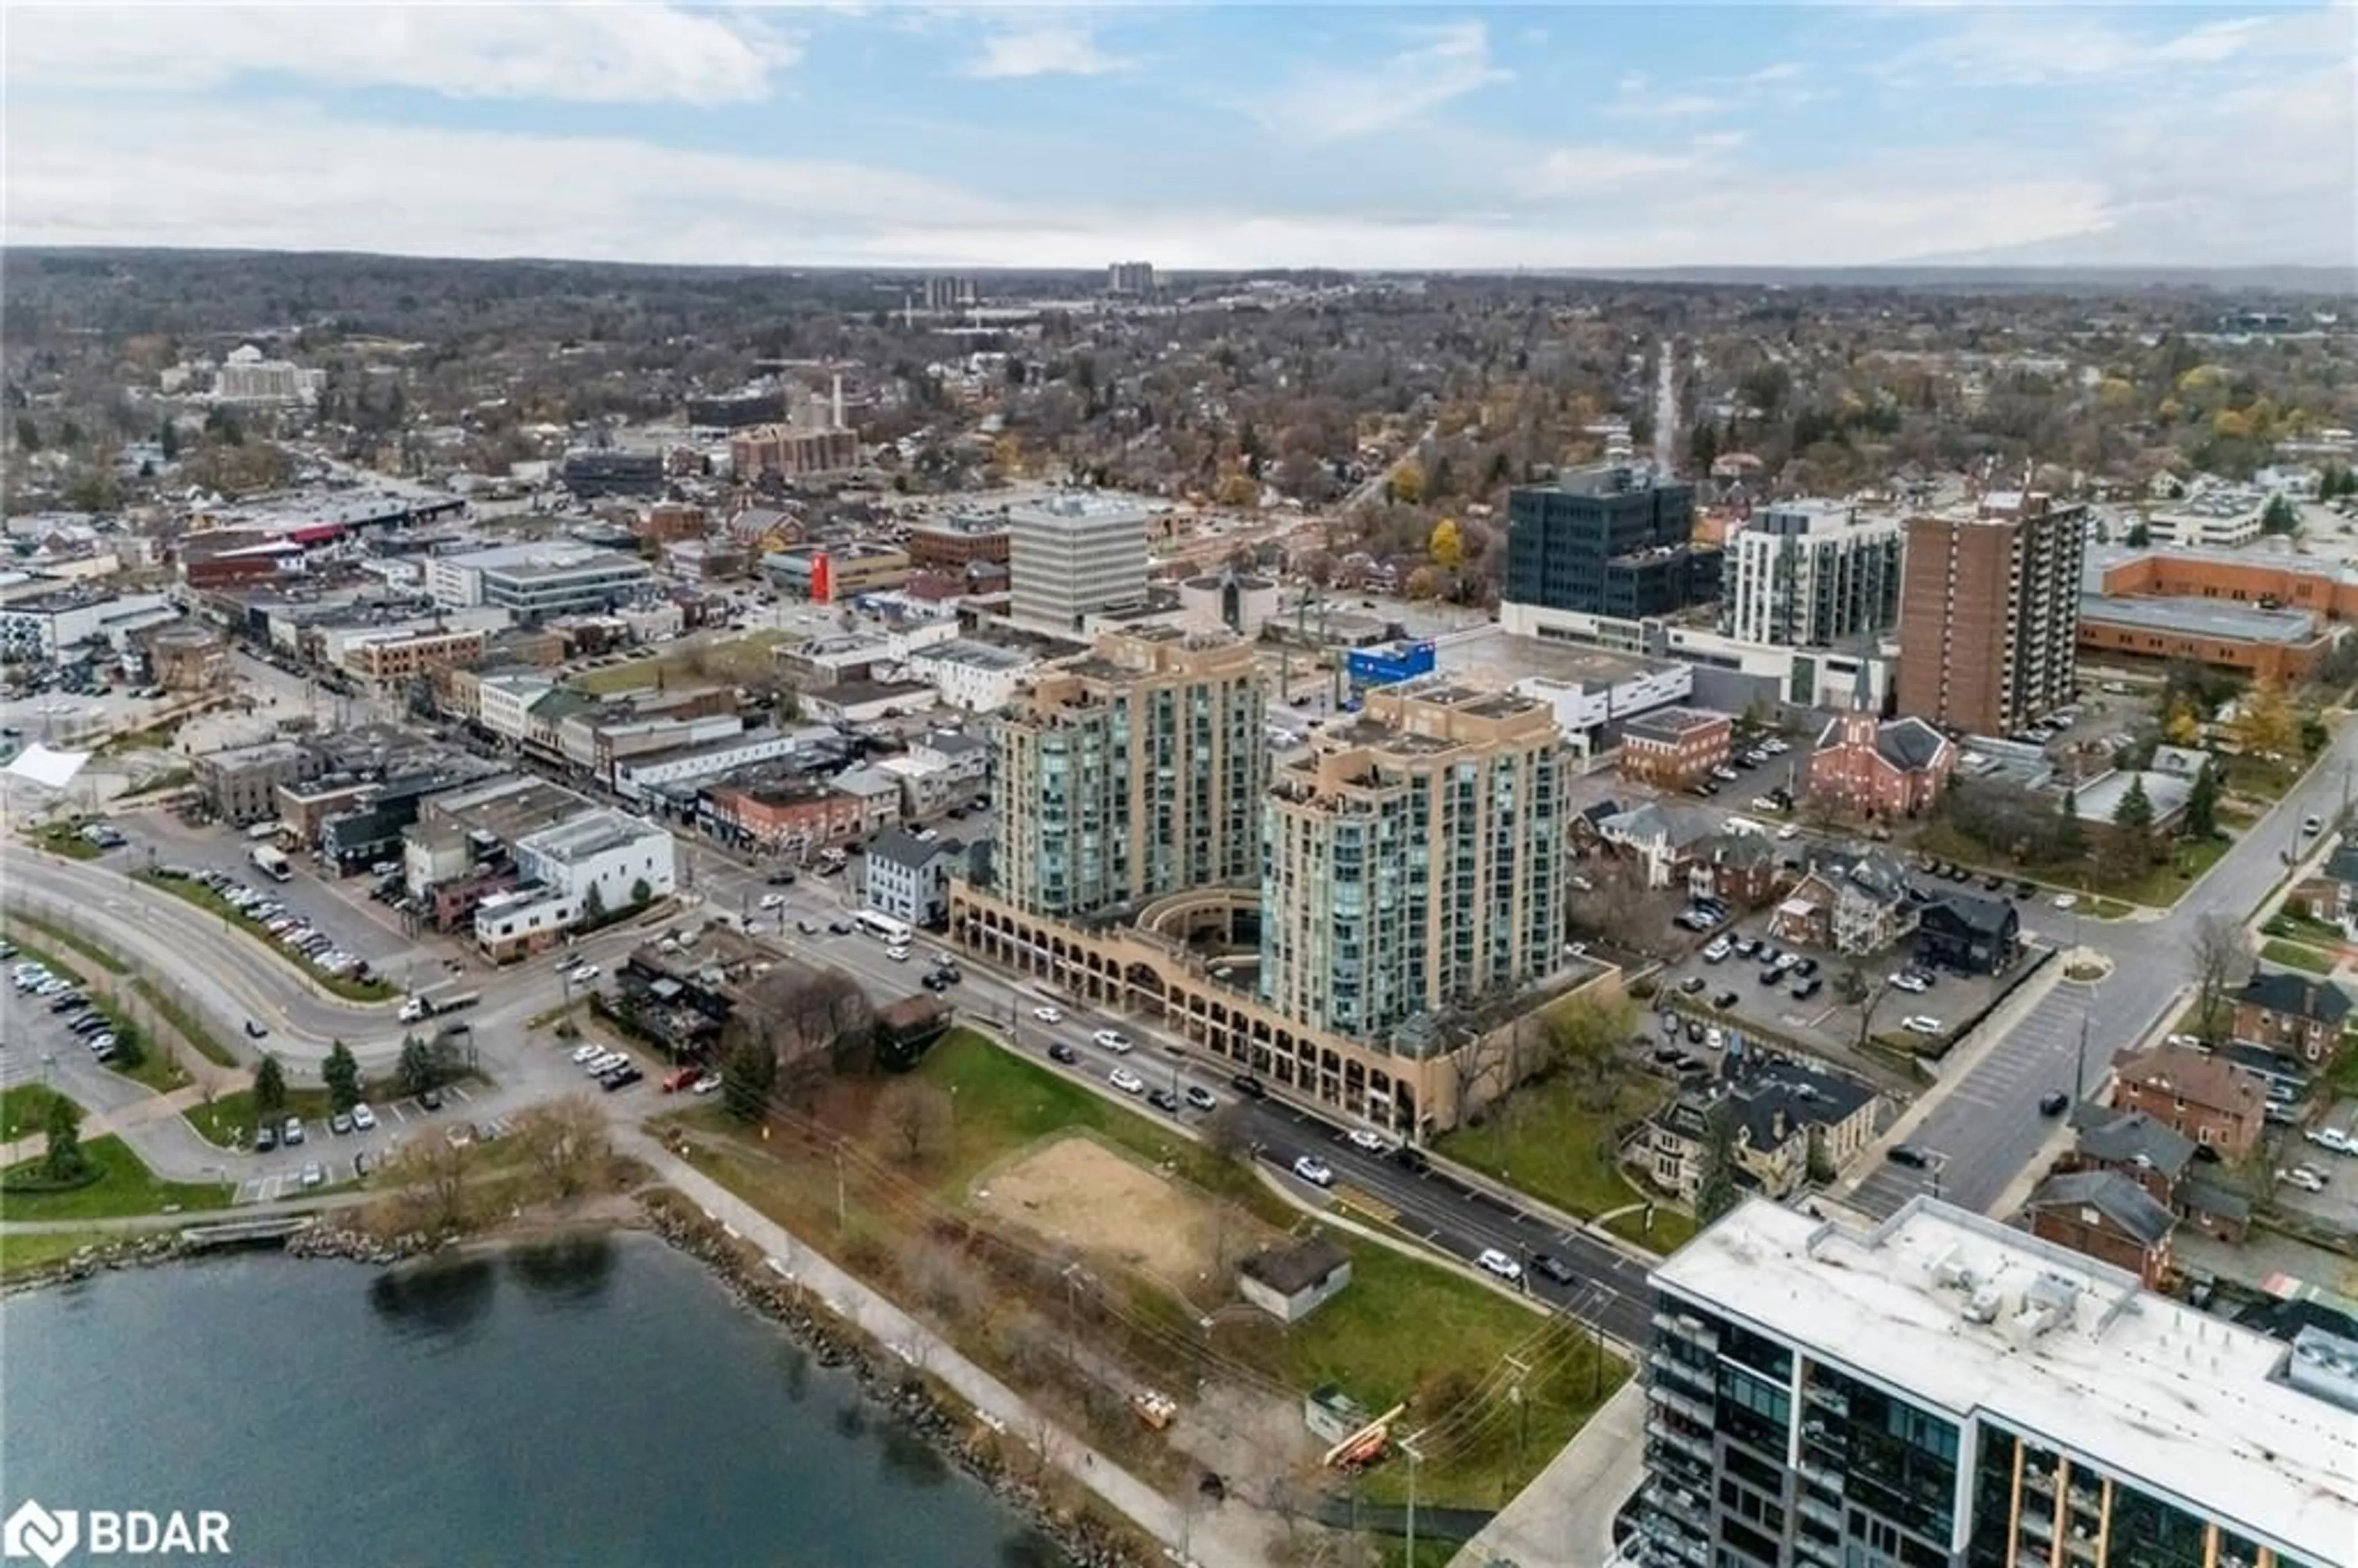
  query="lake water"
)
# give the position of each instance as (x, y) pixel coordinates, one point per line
(600, 1403)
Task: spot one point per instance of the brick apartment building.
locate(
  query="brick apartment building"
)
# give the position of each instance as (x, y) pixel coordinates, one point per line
(1990, 613)
(2292, 1014)
(394, 659)
(1869, 769)
(2212, 1101)
(2104, 1214)
(1675, 748)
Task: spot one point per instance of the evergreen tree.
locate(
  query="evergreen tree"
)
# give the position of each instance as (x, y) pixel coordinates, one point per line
(2202, 804)
(1716, 1193)
(168, 440)
(270, 1090)
(63, 1159)
(2134, 812)
(748, 1076)
(416, 1069)
(342, 1075)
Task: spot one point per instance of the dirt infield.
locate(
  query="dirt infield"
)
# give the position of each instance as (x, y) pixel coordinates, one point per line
(1075, 1191)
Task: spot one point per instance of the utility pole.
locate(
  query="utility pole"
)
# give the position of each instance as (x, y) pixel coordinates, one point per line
(842, 1213)
(1522, 1370)
(1415, 1457)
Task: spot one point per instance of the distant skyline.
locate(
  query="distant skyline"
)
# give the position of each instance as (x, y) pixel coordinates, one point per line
(1203, 136)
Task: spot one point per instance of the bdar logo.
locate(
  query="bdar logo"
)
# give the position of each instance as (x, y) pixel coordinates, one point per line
(34, 1532)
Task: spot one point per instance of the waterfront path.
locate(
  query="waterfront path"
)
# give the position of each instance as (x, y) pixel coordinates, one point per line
(1223, 1537)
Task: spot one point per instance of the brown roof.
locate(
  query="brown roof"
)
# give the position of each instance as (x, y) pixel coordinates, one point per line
(1289, 1271)
(2191, 1075)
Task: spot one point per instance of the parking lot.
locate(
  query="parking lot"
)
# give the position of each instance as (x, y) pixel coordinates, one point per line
(344, 1156)
(2337, 1205)
(1733, 988)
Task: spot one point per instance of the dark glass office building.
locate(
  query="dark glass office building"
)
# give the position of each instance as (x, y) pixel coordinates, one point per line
(1610, 540)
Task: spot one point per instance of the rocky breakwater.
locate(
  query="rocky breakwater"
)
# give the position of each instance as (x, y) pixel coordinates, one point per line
(932, 1414)
(131, 1252)
(357, 1246)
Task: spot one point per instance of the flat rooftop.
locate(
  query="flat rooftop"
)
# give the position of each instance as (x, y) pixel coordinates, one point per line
(2200, 618)
(2190, 1405)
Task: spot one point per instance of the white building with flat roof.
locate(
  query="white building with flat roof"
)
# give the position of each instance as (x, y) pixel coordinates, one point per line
(1811, 573)
(599, 861)
(1071, 557)
(1944, 1390)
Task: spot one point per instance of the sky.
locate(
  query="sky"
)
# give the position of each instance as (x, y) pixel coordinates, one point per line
(1211, 135)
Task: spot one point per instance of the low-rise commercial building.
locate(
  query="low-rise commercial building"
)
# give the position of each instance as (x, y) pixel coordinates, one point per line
(1675, 748)
(241, 784)
(786, 813)
(396, 657)
(2280, 645)
(908, 878)
(978, 677)
(536, 581)
(598, 863)
(948, 543)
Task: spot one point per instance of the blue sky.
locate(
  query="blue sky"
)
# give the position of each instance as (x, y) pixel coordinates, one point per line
(1208, 136)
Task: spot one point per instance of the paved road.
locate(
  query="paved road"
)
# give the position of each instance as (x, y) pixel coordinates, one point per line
(231, 976)
(1984, 1127)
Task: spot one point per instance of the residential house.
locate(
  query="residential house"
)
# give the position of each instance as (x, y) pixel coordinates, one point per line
(2329, 893)
(2165, 1163)
(2294, 1015)
(1866, 768)
(1665, 840)
(1969, 934)
(1739, 868)
(2212, 1101)
(1779, 1110)
(1675, 748)
(2106, 1215)
(1856, 902)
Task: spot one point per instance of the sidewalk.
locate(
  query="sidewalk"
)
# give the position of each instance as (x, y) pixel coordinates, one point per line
(1218, 1539)
(155, 1107)
(1566, 1514)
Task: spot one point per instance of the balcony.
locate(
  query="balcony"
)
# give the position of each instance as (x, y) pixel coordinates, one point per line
(1687, 1505)
(1825, 1398)
(1810, 1548)
(1818, 1476)
(1691, 1329)
(1670, 1399)
(1695, 1443)
(1818, 1514)
(1695, 1377)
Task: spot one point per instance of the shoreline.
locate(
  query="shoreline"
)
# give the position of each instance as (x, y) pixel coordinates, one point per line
(933, 1415)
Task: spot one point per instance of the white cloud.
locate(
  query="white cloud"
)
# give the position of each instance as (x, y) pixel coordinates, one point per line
(1333, 103)
(1058, 48)
(1593, 169)
(607, 54)
(2040, 45)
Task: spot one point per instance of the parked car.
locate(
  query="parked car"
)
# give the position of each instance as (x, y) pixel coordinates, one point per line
(1921, 1023)
(340, 1123)
(1719, 949)
(1163, 1100)
(1803, 989)
(265, 1139)
(2332, 1137)
(2304, 1178)
(2053, 1102)
(1250, 1087)
(1907, 1154)
(291, 1134)
(1910, 982)
(1316, 1171)
(314, 1174)
(431, 1099)
(1692, 984)
(363, 1118)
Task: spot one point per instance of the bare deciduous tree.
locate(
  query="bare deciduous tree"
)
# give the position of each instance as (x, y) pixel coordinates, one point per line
(2216, 955)
(915, 1115)
(428, 1177)
(566, 1140)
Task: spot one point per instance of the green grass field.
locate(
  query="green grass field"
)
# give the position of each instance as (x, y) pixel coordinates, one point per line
(2293, 956)
(127, 1188)
(1547, 1141)
(25, 1111)
(228, 1121)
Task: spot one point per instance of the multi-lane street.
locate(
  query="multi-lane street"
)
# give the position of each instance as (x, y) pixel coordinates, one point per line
(1983, 1127)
